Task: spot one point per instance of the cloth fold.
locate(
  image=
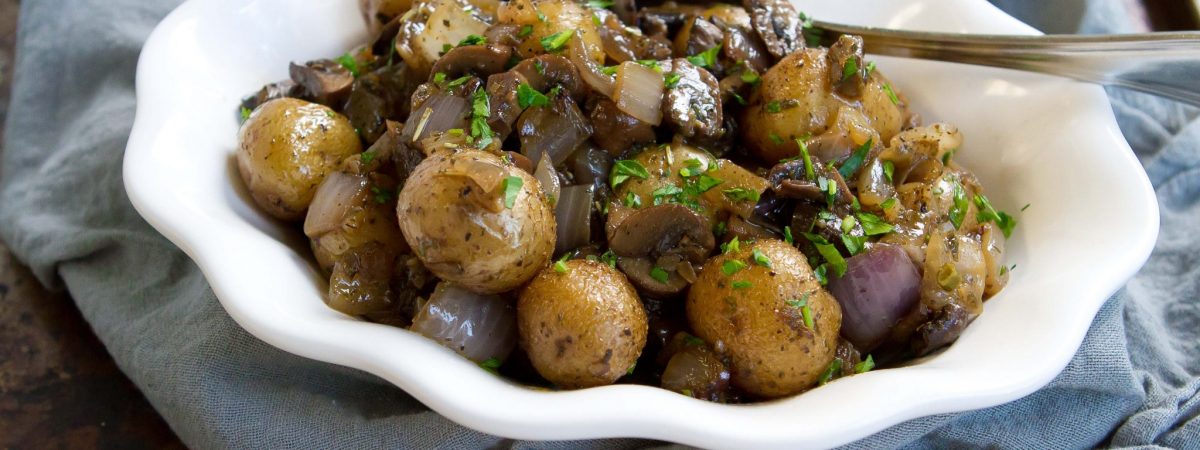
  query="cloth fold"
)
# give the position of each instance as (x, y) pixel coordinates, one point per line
(63, 211)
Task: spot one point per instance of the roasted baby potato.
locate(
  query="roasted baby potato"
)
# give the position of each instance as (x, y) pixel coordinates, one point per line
(477, 220)
(776, 322)
(286, 148)
(582, 325)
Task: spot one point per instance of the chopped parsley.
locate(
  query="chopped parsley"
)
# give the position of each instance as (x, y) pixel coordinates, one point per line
(246, 113)
(812, 34)
(560, 266)
(472, 39)
(742, 284)
(693, 167)
(732, 266)
(666, 194)
(830, 252)
(512, 187)
(808, 165)
(731, 246)
(527, 96)
(610, 258)
(787, 235)
(707, 58)
(491, 365)
(660, 275)
(671, 80)
(458, 82)
(855, 161)
(988, 213)
(760, 259)
(750, 77)
(805, 311)
(439, 77)
(775, 139)
(870, 67)
(609, 70)
(946, 156)
(865, 366)
(650, 64)
(630, 371)
(624, 169)
(480, 110)
(633, 200)
(887, 88)
(849, 69)
(366, 157)
(831, 372)
(381, 195)
(829, 187)
(889, 203)
(556, 41)
(599, 4)
(720, 229)
(705, 183)
(349, 63)
(692, 340)
(540, 15)
(773, 106)
(738, 98)
(889, 169)
(873, 225)
(526, 30)
(742, 194)
(819, 274)
(854, 244)
(959, 211)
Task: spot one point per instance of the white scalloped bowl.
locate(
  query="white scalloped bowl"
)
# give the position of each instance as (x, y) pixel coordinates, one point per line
(1030, 138)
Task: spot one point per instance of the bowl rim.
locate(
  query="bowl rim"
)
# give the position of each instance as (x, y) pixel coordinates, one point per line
(549, 418)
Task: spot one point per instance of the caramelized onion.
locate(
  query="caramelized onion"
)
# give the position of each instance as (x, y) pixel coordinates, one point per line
(437, 114)
(639, 92)
(589, 70)
(555, 130)
(573, 215)
(548, 178)
(332, 202)
(480, 327)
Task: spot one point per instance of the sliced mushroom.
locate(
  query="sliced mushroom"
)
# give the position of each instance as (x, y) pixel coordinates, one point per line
(745, 47)
(504, 34)
(285, 88)
(669, 237)
(323, 80)
(622, 43)
(614, 131)
(390, 147)
(941, 330)
(544, 72)
(790, 179)
(778, 24)
(379, 96)
(477, 60)
(696, 36)
(506, 107)
(555, 130)
(846, 66)
(693, 105)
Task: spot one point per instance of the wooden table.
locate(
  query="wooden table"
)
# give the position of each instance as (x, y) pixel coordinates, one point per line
(58, 386)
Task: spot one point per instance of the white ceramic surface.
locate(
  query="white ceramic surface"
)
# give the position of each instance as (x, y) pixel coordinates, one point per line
(1030, 138)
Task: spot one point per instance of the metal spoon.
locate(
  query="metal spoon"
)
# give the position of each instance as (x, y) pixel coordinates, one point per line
(1163, 64)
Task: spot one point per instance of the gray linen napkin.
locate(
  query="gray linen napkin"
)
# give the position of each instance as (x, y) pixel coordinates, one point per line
(64, 212)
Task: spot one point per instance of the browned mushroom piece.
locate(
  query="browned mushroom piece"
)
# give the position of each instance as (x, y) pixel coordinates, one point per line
(384, 43)
(614, 131)
(626, 10)
(477, 60)
(778, 24)
(942, 329)
(506, 107)
(504, 34)
(846, 66)
(545, 72)
(379, 96)
(323, 80)
(285, 88)
(745, 47)
(622, 44)
(692, 107)
(696, 36)
(391, 147)
(661, 247)
(790, 179)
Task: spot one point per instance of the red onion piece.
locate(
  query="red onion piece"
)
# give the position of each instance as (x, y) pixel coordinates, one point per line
(573, 215)
(480, 327)
(880, 286)
(548, 178)
(437, 114)
(555, 130)
(332, 202)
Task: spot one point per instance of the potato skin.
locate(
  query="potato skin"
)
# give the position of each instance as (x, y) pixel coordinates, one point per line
(774, 353)
(582, 328)
(664, 171)
(463, 232)
(286, 148)
(809, 107)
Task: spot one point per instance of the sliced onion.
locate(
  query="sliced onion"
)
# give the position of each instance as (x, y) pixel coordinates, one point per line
(589, 70)
(548, 177)
(556, 131)
(480, 327)
(697, 370)
(332, 202)
(591, 164)
(880, 286)
(437, 114)
(487, 174)
(573, 216)
(639, 92)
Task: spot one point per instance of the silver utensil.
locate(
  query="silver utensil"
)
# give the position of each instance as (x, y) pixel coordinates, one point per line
(1163, 64)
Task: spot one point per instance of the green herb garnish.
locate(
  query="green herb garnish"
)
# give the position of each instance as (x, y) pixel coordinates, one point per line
(633, 200)
(760, 259)
(610, 258)
(526, 30)
(873, 225)
(458, 82)
(865, 366)
(855, 160)
(527, 96)
(625, 169)
(787, 235)
(660, 275)
(560, 266)
(366, 157)
(988, 213)
(831, 372)
(512, 187)
(775, 139)
(556, 41)
(731, 246)
(741, 194)
(732, 266)
(830, 252)
(349, 63)
(742, 284)
(773, 106)
(472, 39)
(959, 211)
(245, 113)
(849, 69)
(491, 365)
(707, 58)
(671, 80)
(599, 4)
(887, 88)
(808, 165)
(889, 203)
(750, 77)
(889, 169)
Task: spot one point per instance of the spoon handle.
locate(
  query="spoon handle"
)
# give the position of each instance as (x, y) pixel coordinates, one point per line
(1163, 64)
